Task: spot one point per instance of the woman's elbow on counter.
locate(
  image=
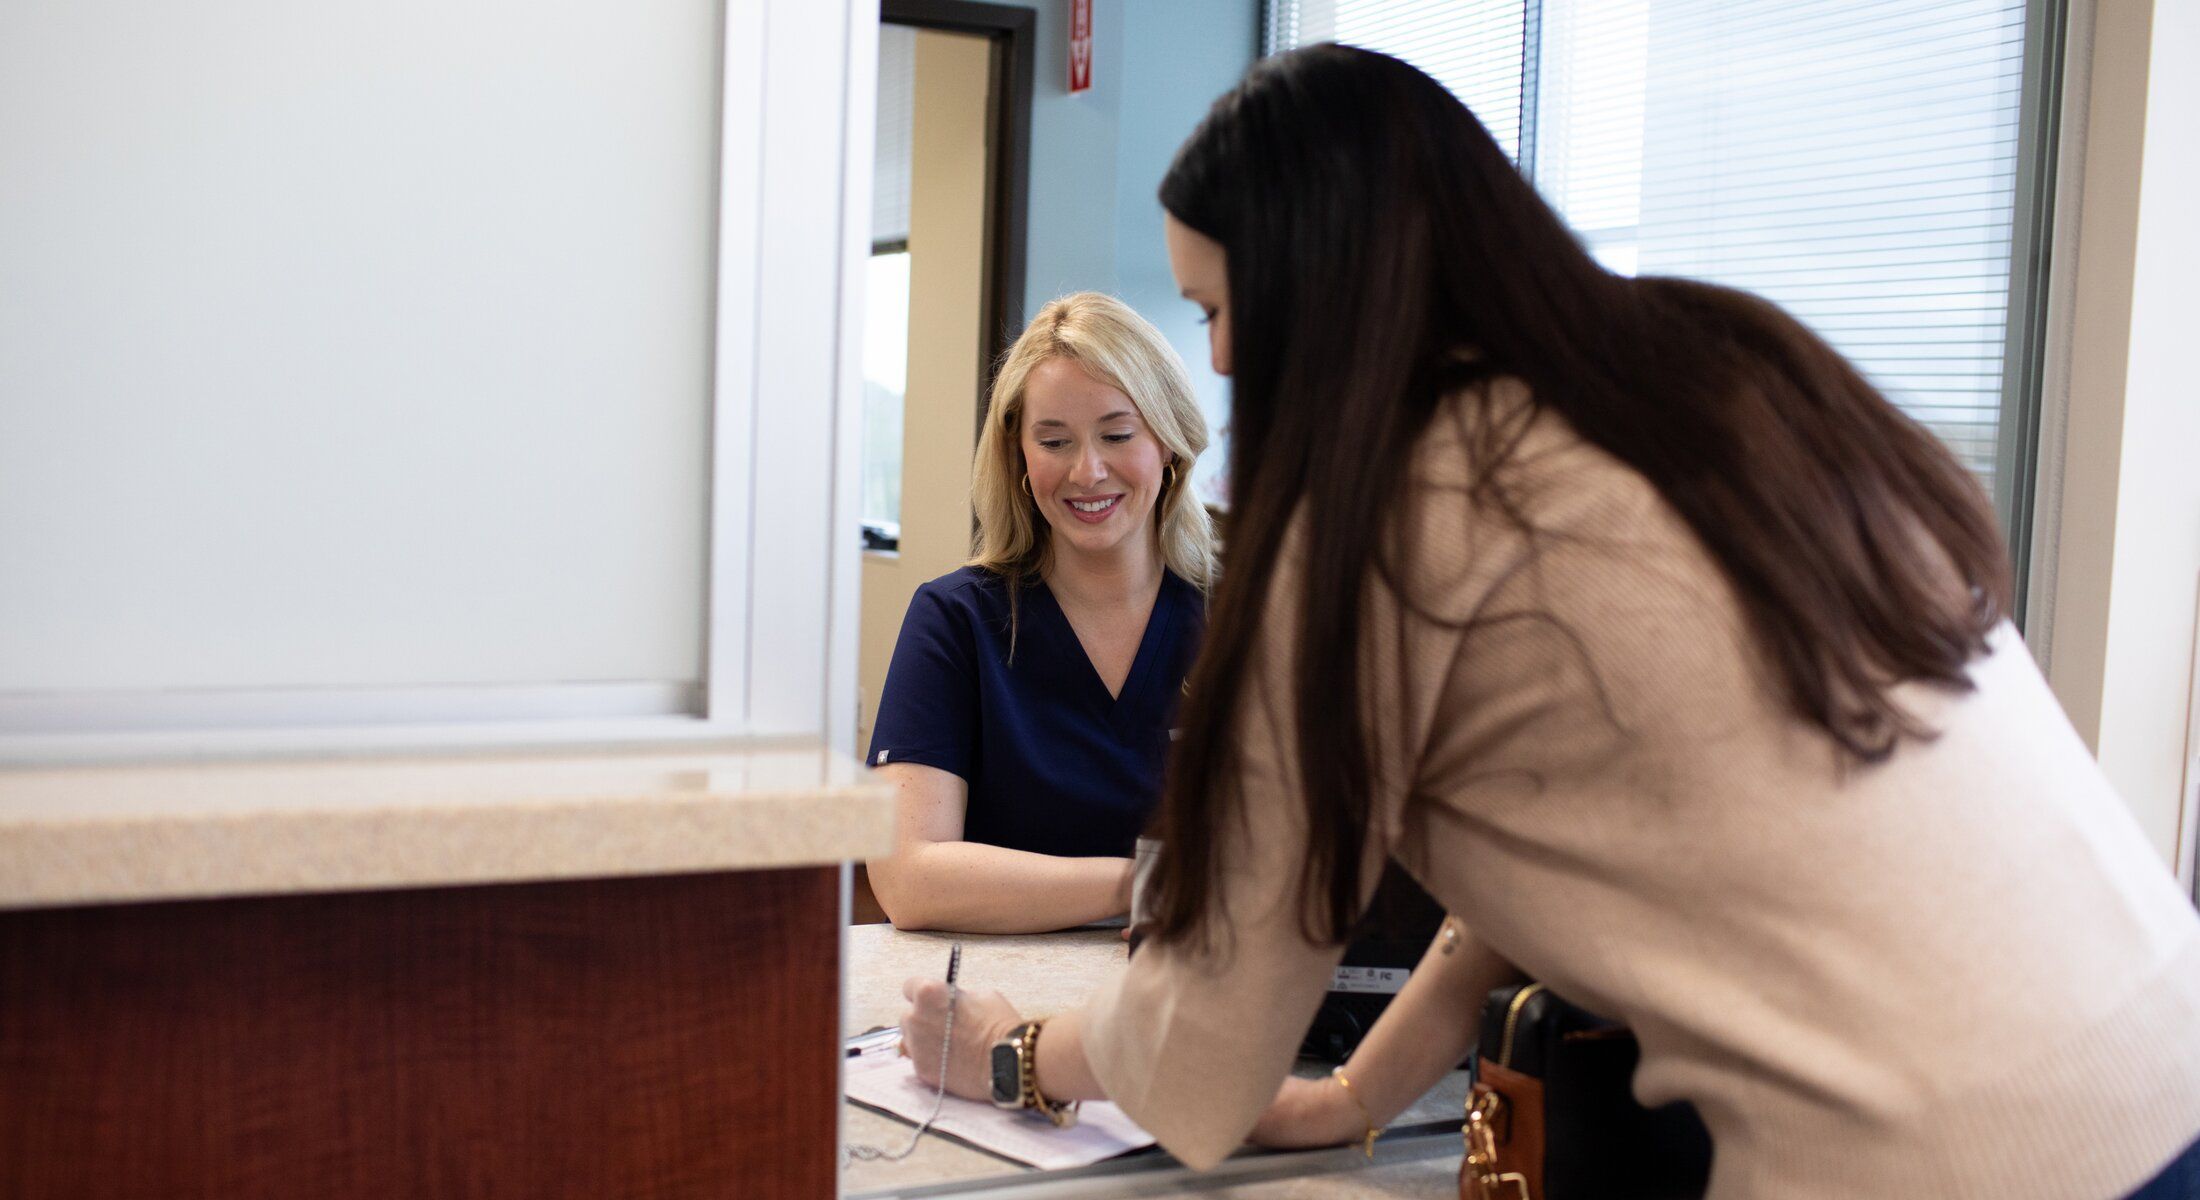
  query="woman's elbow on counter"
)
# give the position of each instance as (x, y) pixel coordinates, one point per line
(906, 922)
(897, 898)
(905, 915)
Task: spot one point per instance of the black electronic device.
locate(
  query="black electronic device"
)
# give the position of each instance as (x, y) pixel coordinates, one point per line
(1400, 923)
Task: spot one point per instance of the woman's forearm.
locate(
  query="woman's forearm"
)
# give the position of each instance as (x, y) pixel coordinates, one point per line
(1421, 1036)
(1424, 1032)
(970, 887)
(1429, 1027)
(1061, 1071)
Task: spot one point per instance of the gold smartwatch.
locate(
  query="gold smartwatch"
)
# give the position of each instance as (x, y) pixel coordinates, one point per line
(1015, 1065)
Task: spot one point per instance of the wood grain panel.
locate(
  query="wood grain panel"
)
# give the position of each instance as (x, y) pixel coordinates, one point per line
(659, 1037)
(863, 905)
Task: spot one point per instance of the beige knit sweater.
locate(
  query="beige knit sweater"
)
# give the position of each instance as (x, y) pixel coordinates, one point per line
(1961, 973)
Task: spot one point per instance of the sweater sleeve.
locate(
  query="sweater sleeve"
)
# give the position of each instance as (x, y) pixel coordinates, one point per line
(1194, 1041)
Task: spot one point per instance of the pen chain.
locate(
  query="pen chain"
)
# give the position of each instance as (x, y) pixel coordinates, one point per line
(866, 1153)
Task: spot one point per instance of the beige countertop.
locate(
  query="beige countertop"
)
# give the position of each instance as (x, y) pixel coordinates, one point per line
(1044, 973)
(99, 834)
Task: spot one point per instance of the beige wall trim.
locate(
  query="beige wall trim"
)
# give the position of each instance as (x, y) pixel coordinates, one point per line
(2120, 498)
(947, 228)
(2105, 118)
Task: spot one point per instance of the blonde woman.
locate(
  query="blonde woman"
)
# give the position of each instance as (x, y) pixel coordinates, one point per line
(1027, 709)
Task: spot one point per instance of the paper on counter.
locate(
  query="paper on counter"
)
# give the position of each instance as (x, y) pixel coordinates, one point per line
(888, 1081)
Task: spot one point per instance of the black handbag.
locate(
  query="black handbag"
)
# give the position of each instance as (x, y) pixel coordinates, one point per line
(1552, 1115)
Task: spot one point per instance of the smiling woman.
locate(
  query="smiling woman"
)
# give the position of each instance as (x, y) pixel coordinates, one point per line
(1027, 711)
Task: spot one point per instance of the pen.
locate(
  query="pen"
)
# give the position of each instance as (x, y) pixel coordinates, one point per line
(874, 1040)
(888, 1037)
(939, 1097)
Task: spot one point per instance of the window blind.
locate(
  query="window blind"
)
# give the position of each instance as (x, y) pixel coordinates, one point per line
(1852, 160)
(1474, 47)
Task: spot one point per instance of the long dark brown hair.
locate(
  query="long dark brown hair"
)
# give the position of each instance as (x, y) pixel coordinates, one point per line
(1373, 229)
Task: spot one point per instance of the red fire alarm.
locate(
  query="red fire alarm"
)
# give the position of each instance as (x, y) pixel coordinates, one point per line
(1080, 46)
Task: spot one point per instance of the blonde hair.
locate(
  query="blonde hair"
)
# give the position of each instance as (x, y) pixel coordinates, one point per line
(1116, 346)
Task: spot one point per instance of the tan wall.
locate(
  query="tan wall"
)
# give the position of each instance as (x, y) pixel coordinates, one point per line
(2121, 519)
(946, 278)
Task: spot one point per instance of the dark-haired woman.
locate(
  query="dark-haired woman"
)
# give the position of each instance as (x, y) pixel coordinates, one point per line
(1665, 652)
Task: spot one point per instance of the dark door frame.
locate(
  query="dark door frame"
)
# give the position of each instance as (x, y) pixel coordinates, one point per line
(1013, 33)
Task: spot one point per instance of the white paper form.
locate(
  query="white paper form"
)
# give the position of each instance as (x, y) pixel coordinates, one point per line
(888, 1081)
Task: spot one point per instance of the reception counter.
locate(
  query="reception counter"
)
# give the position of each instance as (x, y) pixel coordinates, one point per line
(537, 975)
(1046, 973)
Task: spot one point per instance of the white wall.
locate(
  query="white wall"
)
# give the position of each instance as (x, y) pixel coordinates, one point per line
(817, 70)
(331, 357)
(755, 271)
(2125, 527)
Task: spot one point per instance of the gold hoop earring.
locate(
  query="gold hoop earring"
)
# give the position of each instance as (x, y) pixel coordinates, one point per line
(1168, 478)
(1027, 488)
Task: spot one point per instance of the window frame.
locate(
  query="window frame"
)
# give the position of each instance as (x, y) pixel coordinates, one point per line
(877, 540)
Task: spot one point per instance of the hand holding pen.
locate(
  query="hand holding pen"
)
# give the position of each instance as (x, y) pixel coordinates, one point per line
(979, 1017)
(870, 1153)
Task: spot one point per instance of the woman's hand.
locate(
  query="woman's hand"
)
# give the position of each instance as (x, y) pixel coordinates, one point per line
(981, 1019)
(1308, 1112)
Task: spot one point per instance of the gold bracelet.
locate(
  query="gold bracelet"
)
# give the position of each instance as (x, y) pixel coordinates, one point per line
(1027, 1065)
(1337, 1074)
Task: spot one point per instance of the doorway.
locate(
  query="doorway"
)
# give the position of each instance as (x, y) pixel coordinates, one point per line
(945, 291)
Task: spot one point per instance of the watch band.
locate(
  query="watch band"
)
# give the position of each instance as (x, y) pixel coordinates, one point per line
(1026, 1040)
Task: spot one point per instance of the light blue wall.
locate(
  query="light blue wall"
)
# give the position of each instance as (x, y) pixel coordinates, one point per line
(1097, 158)
(1071, 224)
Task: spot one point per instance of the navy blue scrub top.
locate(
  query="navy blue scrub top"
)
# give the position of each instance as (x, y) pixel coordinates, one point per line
(1055, 765)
